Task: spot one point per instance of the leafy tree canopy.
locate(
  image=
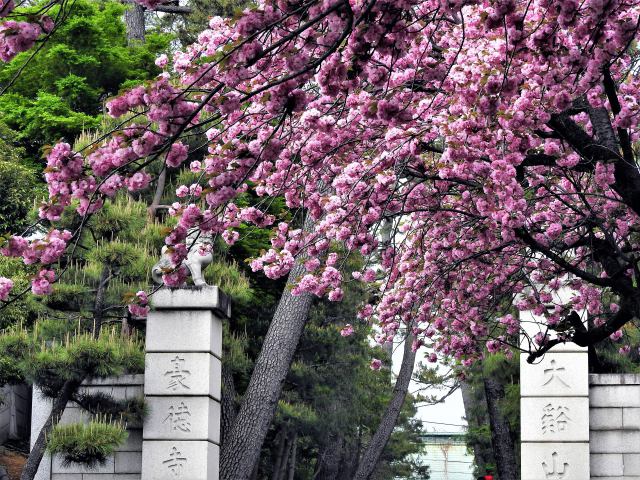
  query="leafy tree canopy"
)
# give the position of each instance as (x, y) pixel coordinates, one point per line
(61, 90)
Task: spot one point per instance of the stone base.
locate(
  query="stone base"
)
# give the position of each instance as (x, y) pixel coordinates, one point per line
(555, 375)
(184, 331)
(207, 297)
(178, 374)
(545, 461)
(171, 460)
(555, 419)
(183, 418)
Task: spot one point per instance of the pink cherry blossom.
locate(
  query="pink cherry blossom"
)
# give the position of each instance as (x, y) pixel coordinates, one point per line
(347, 330)
(42, 284)
(6, 285)
(471, 187)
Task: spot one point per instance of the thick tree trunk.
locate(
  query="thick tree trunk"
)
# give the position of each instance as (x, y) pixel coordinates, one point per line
(99, 302)
(228, 404)
(37, 452)
(157, 196)
(503, 448)
(329, 462)
(241, 449)
(282, 440)
(380, 439)
(293, 459)
(282, 468)
(473, 419)
(134, 22)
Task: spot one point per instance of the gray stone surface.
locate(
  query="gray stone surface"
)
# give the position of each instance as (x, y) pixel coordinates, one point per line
(75, 414)
(58, 467)
(631, 419)
(40, 410)
(206, 297)
(626, 477)
(184, 331)
(168, 460)
(615, 396)
(632, 463)
(555, 375)
(183, 418)
(5, 416)
(122, 380)
(605, 418)
(555, 419)
(614, 379)
(15, 412)
(128, 462)
(544, 461)
(133, 443)
(606, 464)
(615, 441)
(120, 476)
(177, 374)
(615, 426)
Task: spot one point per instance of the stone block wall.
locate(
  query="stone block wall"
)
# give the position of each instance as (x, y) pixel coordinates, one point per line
(126, 464)
(180, 437)
(614, 419)
(15, 411)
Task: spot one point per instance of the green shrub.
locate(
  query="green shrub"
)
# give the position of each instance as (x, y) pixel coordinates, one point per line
(89, 444)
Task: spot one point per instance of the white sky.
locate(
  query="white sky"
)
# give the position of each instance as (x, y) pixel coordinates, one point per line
(451, 411)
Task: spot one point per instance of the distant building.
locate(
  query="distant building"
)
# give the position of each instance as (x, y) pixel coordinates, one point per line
(447, 456)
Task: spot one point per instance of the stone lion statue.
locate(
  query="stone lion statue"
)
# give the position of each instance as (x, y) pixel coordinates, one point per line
(198, 259)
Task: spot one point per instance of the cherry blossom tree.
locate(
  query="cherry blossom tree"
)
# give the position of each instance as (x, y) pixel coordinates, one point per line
(496, 137)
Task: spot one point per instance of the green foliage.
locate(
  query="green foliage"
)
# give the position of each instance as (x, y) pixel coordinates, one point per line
(43, 118)
(50, 361)
(89, 443)
(230, 279)
(332, 397)
(62, 89)
(12, 350)
(507, 372)
(130, 411)
(26, 308)
(18, 183)
(606, 356)
(117, 245)
(188, 27)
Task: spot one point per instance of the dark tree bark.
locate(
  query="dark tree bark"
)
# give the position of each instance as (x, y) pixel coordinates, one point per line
(281, 471)
(241, 449)
(503, 448)
(293, 459)
(157, 196)
(282, 440)
(471, 404)
(387, 424)
(37, 452)
(98, 303)
(228, 404)
(134, 22)
(177, 9)
(329, 461)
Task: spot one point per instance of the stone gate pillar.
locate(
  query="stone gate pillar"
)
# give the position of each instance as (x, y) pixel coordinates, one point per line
(554, 409)
(181, 434)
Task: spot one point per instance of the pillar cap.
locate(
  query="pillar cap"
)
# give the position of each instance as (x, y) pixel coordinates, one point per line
(205, 297)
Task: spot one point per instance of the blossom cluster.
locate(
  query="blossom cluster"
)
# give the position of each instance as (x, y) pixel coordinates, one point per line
(17, 37)
(434, 139)
(139, 307)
